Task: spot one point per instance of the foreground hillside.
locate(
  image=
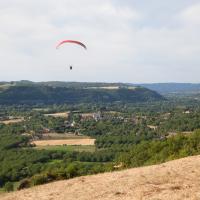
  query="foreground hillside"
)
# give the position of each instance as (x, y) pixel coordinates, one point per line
(178, 179)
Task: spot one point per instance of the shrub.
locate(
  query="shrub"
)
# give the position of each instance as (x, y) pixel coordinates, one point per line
(25, 183)
(39, 179)
(9, 187)
(72, 170)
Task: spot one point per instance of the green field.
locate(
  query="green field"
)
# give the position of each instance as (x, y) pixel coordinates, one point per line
(58, 136)
(79, 148)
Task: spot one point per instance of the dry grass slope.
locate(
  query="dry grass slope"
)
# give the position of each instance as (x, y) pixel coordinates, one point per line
(174, 180)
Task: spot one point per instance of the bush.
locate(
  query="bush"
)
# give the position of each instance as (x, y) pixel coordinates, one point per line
(72, 170)
(9, 187)
(39, 179)
(24, 184)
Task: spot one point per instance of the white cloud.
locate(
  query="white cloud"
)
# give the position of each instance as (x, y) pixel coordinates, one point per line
(191, 15)
(123, 42)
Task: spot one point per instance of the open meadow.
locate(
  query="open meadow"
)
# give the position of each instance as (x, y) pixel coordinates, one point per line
(12, 121)
(59, 114)
(64, 142)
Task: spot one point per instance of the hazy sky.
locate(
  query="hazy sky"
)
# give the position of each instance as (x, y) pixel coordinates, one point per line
(128, 40)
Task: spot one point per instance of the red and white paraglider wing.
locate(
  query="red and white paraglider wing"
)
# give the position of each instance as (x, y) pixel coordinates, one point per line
(71, 41)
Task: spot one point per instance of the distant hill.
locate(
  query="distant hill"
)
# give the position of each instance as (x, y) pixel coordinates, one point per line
(162, 88)
(66, 84)
(81, 84)
(26, 92)
(178, 179)
(165, 88)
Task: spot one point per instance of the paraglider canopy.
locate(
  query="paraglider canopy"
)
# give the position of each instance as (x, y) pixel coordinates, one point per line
(71, 41)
